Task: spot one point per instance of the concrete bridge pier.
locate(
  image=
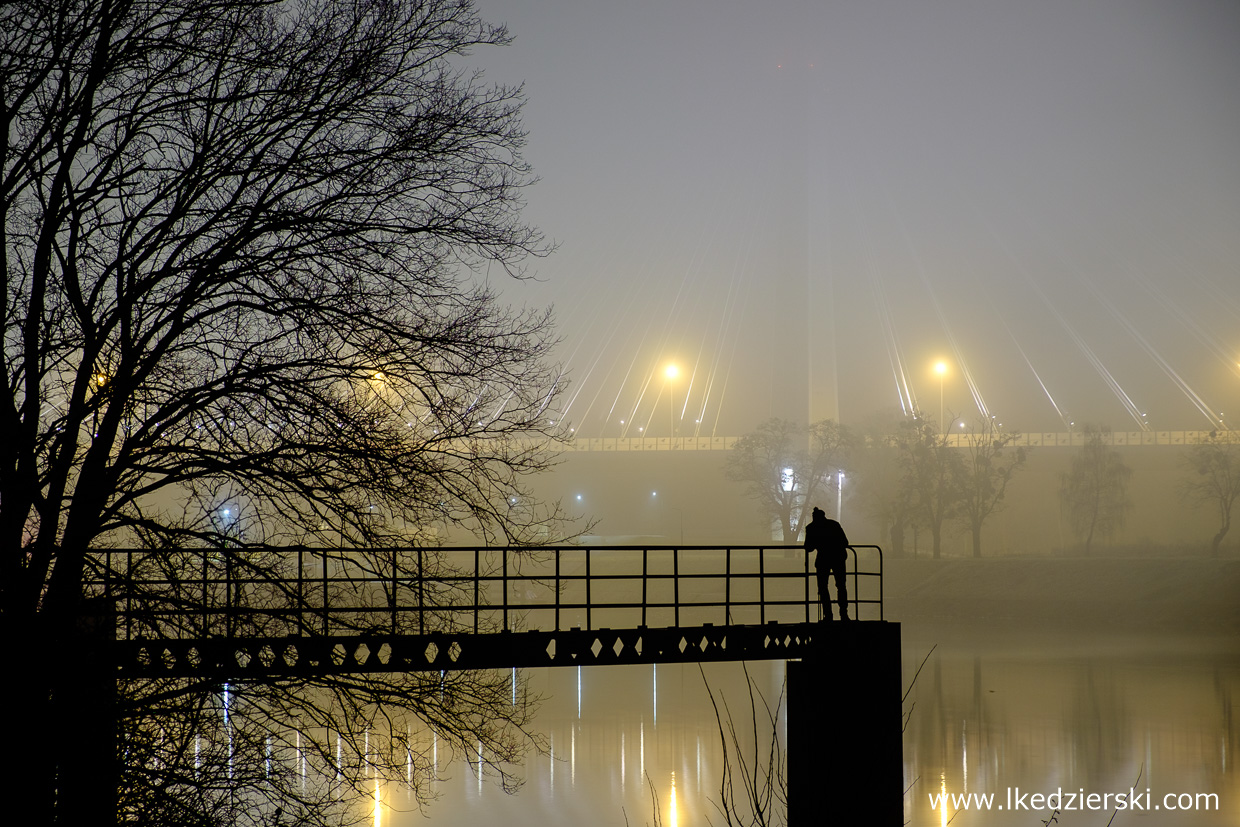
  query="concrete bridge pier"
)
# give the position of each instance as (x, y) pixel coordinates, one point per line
(845, 720)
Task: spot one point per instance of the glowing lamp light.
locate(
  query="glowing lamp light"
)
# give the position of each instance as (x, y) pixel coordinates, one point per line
(671, 371)
(940, 368)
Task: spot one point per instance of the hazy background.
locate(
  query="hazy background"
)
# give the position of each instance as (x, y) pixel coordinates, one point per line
(805, 205)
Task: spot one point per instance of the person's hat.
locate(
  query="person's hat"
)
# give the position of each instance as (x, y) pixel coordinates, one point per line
(818, 512)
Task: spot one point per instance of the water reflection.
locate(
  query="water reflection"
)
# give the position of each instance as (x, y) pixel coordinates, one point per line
(1006, 717)
(985, 717)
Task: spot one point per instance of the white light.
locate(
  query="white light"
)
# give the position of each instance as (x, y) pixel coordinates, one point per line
(787, 479)
(654, 493)
(579, 497)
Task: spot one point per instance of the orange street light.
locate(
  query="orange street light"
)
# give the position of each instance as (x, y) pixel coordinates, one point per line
(670, 373)
(940, 367)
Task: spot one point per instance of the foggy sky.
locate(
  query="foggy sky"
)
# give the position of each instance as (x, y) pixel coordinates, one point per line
(793, 200)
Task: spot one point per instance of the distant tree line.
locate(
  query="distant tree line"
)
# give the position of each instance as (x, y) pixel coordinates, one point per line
(905, 475)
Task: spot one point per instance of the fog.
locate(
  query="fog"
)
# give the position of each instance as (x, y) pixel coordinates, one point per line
(804, 206)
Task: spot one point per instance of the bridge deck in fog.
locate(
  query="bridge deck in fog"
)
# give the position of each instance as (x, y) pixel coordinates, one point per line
(259, 614)
(962, 439)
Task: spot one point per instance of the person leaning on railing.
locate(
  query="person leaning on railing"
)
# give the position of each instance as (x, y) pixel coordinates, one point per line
(830, 541)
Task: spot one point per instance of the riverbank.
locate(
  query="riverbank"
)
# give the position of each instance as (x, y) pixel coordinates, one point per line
(1135, 594)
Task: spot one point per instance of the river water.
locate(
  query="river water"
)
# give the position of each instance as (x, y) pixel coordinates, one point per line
(1005, 714)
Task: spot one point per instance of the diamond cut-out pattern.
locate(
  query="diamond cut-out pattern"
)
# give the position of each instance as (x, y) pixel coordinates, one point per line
(463, 650)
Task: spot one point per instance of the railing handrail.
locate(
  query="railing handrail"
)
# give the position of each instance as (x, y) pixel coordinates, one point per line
(224, 588)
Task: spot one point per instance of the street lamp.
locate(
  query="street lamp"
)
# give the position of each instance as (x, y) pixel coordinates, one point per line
(940, 367)
(839, 498)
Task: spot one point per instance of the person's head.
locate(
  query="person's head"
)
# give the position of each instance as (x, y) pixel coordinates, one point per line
(819, 514)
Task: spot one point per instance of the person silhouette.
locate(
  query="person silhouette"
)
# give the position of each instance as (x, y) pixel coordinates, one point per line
(830, 541)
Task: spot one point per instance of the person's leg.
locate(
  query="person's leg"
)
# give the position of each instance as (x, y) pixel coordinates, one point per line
(824, 596)
(841, 590)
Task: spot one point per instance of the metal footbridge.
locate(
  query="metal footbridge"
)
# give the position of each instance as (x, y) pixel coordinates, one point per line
(260, 614)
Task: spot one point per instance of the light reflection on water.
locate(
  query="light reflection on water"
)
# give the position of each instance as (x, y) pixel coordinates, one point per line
(1095, 715)
(985, 714)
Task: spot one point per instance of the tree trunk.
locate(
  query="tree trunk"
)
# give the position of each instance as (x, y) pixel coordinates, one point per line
(897, 538)
(977, 540)
(32, 724)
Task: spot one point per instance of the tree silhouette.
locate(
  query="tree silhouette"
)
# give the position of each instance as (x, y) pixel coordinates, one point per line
(786, 466)
(1212, 479)
(1095, 490)
(990, 461)
(879, 479)
(932, 473)
(240, 239)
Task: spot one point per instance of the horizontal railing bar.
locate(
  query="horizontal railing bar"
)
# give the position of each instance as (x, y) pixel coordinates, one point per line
(349, 590)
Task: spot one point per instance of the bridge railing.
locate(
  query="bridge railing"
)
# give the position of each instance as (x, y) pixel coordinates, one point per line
(240, 593)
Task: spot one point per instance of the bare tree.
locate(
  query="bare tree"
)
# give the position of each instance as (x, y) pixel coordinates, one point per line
(1095, 490)
(786, 467)
(1212, 479)
(879, 488)
(240, 311)
(931, 475)
(990, 462)
(753, 781)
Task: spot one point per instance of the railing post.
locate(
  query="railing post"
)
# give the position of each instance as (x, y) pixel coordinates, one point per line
(129, 596)
(727, 588)
(880, 583)
(301, 593)
(477, 574)
(645, 580)
(676, 587)
(504, 582)
(588, 581)
(762, 586)
(395, 601)
(421, 596)
(557, 590)
(326, 600)
(228, 613)
(806, 555)
(855, 597)
(206, 577)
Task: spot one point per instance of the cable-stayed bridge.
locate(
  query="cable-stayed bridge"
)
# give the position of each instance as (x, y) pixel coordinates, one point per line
(963, 439)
